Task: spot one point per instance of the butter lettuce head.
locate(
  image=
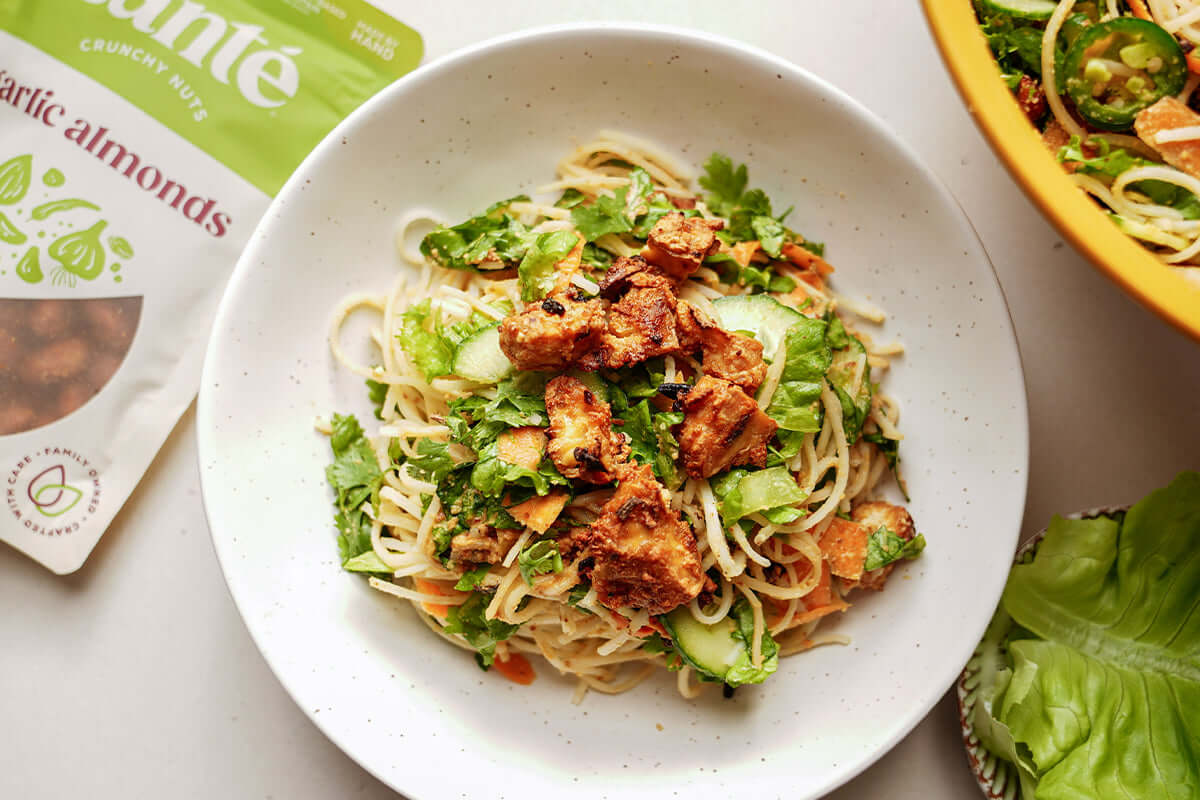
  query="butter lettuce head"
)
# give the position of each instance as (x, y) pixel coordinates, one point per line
(1097, 693)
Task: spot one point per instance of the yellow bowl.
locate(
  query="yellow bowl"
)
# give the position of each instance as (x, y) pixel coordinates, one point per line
(965, 51)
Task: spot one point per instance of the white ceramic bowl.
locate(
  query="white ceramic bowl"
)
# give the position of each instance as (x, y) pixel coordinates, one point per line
(486, 123)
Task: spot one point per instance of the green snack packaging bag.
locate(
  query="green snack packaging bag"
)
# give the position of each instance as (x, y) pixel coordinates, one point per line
(140, 142)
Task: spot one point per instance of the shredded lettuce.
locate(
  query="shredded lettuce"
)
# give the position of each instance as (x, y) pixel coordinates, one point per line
(885, 547)
(773, 492)
(743, 671)
(1093, 688)
(536, 273)
(796, 404)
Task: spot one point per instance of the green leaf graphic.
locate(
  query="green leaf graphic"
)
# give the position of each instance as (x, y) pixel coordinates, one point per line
(14, 178)
(120, 246)
(29, 268)
(8, 232)
(81, 253)
(66, 204)
(71, 491)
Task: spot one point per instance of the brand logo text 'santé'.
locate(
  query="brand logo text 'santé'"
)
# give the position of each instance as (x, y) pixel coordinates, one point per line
(265, 77)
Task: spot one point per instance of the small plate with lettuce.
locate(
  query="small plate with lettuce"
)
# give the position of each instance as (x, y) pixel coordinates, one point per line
(1087, 681)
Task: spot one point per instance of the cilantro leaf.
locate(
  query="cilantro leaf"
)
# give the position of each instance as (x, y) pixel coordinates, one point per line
(885, 547)
(771, 234)
(469, 620)
(606, 215)
(433, 462)
(377, 392)
(368, 561)
(570, 198)
(540, 558)
(472, 578)
(651, 440)
(725, 183)
(355, 478)
(492, 240)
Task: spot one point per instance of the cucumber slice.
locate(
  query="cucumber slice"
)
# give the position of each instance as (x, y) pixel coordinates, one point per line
(1148, 233)
(709, 649)
(1022, 9)
(760, 314)
(479, 357)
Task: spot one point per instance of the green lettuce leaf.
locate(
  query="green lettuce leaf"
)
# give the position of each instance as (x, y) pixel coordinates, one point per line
(796, 404)
(472, 578)
(772, 491)
(1104, 700)
(536, 273)
(886, 547)
(743, 670)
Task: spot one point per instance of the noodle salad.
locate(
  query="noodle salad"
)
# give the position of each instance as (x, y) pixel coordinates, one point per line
(623, 426)
(1111, 84)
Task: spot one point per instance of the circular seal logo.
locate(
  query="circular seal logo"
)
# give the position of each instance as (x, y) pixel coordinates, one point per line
(52, 491)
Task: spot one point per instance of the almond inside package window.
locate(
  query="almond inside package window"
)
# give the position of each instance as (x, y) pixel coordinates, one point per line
(132, 172)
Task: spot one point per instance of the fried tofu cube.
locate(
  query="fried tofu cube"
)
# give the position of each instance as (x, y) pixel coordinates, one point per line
(582, 442)
(645, 554)
(873, 516)
(552, 334)
(844, 545)
(722, 427)
(1165, 115)
(729, 356)
(641, 324)
(678, 245)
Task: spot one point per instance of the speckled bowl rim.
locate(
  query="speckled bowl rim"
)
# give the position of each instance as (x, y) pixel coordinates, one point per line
(997, 778)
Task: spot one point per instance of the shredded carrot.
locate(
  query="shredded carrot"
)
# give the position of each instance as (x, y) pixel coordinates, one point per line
(522, 446)
(820, 611)
(743, 252)
(654, 626)
(516, 668)
(806, 259)
(432, 587)
(540, 511)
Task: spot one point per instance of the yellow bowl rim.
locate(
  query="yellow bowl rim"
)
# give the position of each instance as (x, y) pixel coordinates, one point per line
(969, 61)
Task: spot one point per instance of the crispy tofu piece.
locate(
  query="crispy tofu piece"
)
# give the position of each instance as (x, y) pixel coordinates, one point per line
(482, 544)
(617, 281)
(730, 356)
(876, 515)
(522, 446)
(553, 334)
(645, 554)
(844, 545)
(678, 245)
(540, 511)
(1165, 115)
(641, 324)
(722, 427)
(582, 442)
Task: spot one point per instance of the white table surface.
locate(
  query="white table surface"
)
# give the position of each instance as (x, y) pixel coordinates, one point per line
(135, 678)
